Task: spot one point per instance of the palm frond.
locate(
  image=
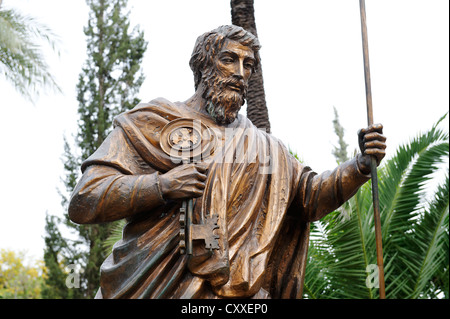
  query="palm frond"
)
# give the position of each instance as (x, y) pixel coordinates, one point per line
(403, 184)
(316, 284)
(352, 243)
(415, 230)
(21, 59)
(403, 177)
(341, 250)
(115, 235)
(431, 238)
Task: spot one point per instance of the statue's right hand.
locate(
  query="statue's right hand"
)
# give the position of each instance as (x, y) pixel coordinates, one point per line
(183, 182)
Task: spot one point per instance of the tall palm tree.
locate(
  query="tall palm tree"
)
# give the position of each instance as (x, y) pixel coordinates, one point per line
(415, 229)
(243, 15)
(21, 59)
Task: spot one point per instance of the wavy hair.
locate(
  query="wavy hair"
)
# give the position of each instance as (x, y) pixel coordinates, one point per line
(209, 43)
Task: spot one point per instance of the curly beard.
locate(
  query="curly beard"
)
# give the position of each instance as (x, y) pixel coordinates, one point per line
(223, 103)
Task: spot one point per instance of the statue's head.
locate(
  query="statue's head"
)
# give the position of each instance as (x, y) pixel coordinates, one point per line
(223, 61)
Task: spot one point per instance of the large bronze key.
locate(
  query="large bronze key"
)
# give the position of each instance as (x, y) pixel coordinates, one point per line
(187, 140)
(205, 232)
(190, 231)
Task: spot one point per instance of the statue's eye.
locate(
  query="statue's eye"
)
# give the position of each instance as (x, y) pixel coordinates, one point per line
(249, 65)
(227, 60)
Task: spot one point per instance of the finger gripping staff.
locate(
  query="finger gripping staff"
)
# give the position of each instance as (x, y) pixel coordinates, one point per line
(185, 141)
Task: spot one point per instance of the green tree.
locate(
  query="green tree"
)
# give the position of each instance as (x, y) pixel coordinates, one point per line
(415, 226)
(18, 279)
(340, 151)
(21, 59)
(107, 85)
(57, 255)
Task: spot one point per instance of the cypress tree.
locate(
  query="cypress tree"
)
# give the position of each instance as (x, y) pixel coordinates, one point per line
(339, 152)
(108, 85)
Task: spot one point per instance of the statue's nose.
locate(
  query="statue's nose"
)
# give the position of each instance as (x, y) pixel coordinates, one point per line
(239, 70)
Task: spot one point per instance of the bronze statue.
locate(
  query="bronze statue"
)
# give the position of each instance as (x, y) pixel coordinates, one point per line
(215, 207)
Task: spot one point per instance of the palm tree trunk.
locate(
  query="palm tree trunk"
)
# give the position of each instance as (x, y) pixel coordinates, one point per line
(243, 15)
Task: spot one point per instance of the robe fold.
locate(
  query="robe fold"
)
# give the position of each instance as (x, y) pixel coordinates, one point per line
(264, 197)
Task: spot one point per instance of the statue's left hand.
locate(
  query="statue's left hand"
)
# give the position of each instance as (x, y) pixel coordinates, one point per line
(372, 142)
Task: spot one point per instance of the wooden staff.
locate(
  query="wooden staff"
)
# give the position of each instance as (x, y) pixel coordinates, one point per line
(376, 203)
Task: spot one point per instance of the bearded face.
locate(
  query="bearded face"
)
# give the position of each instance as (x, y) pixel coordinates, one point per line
(224, 96)
(225, 81)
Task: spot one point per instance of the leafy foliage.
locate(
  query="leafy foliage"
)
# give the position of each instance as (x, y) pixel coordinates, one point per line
(59, 253)
(18, 279)
(115, 234)
(21, 59)
(107, 85)
(414, 226)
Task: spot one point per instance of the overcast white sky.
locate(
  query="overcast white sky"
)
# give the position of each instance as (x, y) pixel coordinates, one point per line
(311, 60)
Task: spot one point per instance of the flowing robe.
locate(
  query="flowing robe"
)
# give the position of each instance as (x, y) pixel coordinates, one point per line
(264, 197)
